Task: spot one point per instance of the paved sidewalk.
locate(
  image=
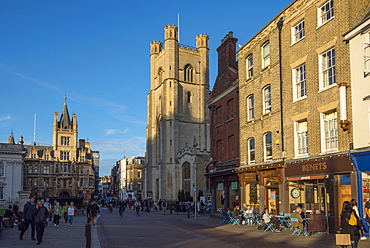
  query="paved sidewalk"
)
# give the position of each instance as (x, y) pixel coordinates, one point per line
(314, 241)
(54, 237)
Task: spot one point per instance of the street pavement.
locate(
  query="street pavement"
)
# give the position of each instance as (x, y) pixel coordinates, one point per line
(65, 236)
(171, 230)
(158, 230)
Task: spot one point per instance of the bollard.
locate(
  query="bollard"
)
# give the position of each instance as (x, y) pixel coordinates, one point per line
(188, 210)
(170, 208)
(88, 235)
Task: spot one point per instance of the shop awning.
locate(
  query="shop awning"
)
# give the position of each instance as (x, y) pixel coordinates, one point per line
(361, 160)
(315, 177)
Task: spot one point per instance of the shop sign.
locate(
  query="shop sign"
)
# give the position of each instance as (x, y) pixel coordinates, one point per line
(250, 177)
(272, 196)
(325, 165)
(269, 172)
(220, 186)
(234, 185)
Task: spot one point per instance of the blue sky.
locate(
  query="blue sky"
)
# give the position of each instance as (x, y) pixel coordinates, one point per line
(97, 54)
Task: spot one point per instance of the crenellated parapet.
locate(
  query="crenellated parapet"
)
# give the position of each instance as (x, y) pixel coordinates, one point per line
(155, 47)
(202, 40)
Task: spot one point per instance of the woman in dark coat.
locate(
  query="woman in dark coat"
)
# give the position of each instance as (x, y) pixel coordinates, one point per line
(346, 228)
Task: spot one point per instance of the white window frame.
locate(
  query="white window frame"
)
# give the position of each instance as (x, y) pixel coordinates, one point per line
(329, 131)
(249, 66)
(265, 54)
(139, 173)
(251, 150)
(266, 98)
(65, 156)
(2, 170)
(266, 146)
(325, 12)
(326, 67)
(300, 139)
(366, 52)
(250, 108)
(298, 31)
(299, 80)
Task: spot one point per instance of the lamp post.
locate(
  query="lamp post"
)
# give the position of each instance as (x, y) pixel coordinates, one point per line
(195, 193)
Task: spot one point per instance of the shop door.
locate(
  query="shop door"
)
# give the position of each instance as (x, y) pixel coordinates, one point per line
(272, 200)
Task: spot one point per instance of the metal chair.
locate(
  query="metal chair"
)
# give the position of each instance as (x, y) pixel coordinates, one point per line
(270, 226)
(295, 224)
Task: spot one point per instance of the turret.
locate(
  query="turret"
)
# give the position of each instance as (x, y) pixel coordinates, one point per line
(202, 40)
(170, 32)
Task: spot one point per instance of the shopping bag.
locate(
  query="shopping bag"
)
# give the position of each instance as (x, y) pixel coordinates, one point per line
(342, 239)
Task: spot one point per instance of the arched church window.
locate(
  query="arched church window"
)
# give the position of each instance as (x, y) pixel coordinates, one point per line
(188, 73)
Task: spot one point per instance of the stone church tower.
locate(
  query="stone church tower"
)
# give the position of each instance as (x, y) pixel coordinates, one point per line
(177, 128)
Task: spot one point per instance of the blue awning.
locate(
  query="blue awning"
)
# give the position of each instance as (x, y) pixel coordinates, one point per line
(361, 160)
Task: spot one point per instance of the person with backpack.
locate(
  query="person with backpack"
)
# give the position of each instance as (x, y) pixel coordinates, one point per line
(350, 223)
(353, 204)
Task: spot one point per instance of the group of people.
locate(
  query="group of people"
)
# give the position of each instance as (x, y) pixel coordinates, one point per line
(37, 213)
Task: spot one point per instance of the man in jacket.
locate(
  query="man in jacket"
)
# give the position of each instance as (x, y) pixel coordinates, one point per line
(41, 214)
(27, 217)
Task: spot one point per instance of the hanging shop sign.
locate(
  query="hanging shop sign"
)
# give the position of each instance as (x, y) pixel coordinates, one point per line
(220, 186)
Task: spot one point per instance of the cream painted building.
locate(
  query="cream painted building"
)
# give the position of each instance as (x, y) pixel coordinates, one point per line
(177, 127)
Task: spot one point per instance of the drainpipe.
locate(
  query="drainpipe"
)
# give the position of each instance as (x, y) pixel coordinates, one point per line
(280, 26)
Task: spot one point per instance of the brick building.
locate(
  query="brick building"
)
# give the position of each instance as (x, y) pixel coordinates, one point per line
(224, 127)
(297, 140)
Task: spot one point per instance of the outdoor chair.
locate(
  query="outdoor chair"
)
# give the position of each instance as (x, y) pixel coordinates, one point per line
(297, 229)
(270, 227)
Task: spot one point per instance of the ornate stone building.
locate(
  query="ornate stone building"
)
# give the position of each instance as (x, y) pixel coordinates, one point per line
(64, 169)
(177, 127)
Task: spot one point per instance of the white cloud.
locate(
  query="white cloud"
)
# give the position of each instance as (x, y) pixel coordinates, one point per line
(115, 131)
(4, 118)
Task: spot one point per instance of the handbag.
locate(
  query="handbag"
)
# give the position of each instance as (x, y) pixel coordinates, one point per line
(342, 239)
(21, 226)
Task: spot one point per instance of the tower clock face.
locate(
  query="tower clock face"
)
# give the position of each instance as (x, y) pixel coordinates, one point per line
(295, 193)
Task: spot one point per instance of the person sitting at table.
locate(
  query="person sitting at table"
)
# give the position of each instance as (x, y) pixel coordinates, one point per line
(271, 219)
(248, 215)
(237, 214)
(300, 216)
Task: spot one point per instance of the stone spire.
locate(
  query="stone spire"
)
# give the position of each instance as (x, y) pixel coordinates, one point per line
(65, 121)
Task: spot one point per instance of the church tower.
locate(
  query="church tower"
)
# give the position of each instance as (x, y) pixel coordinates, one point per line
(177, 115)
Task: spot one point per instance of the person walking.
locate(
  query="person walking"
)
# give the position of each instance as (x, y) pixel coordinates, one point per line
(57, 212)
(40, 214)
(353, 205)
(65, 212)
(164, 206)
(28, 218)
(350, 223)
(94, 211)
(71, 212)
(121, 207)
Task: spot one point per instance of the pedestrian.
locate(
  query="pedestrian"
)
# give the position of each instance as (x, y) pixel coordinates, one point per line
(28, 218)
(71, 211)
(350, 223)
(57, 212)
(41, 215)
(164, 206)
(94, 211)
(121, 208)
(65, 212)
(48, 206)
(353, 204)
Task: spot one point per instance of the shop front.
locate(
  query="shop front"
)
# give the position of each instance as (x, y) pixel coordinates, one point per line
(361, 161)
(261, 186)
(224, 187)
(320, 186)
